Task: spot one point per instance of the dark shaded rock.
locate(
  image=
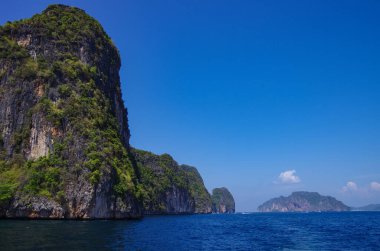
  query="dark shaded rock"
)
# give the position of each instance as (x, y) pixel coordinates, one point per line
(169, 188)
(222, 201)
(303, 202)
(202, 198)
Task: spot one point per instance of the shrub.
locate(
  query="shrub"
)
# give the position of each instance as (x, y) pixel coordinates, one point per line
(28, 70)
(9, 181)
(45, 176)
(64, 90)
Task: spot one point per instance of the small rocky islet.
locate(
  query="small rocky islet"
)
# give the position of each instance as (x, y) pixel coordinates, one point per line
(222, 201)
(64, 133)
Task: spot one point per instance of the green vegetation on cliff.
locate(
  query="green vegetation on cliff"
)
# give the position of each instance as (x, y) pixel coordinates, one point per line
(222, 201)
(198, 190)
(59, 75)
(64, 136)
(167, 185)
(62, 25)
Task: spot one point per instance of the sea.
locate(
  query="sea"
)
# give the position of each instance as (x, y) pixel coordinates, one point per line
(252, 231)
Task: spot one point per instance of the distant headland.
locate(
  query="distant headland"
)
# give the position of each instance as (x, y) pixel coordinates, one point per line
(304, 202)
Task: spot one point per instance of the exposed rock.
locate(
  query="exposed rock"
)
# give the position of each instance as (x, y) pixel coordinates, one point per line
(303, 202)
(222, 201)
(170, 188)
(35, 207)
(202, 198)
(64, 137)
(40, 141)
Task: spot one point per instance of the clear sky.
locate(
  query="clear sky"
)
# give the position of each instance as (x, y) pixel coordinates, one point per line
(247, 90)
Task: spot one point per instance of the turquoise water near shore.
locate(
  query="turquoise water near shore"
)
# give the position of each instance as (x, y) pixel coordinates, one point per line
(257, 231)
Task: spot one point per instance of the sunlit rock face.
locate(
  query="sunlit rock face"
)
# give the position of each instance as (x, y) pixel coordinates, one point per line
(64, 137)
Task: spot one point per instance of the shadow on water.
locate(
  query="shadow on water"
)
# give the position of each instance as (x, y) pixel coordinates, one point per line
(63, 235)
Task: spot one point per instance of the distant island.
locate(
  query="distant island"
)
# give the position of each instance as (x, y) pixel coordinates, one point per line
(304, 202)
(371, 207)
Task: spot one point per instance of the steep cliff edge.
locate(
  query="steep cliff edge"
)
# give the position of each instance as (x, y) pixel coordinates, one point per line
(169, 188)
(303, 202)
(64, 134)
(222, 201)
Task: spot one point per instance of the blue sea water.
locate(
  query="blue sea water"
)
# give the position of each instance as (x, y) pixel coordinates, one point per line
(257, 231)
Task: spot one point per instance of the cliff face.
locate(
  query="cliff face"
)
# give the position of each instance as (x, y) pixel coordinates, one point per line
(64, 134)
(169, 188)
(203, 203)
(303, 202)
(222, 201)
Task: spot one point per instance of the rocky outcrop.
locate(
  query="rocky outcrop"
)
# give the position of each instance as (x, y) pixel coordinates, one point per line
(169, 188)
(64, 134)
(303, 202)
(202, 198)
(222, 201)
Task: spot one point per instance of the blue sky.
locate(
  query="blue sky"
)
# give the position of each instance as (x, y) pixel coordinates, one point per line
(248, 91)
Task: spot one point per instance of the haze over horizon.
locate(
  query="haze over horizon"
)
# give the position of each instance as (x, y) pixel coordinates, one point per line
(263, 97)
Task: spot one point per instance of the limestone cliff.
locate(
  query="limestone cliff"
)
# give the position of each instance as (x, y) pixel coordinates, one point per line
(170, 188)
(203, 203)
(303, 202)
(64, 136)
(63, 126)
(222, 201)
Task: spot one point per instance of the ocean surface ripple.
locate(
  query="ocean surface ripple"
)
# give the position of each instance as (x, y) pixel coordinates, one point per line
(257, 231)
